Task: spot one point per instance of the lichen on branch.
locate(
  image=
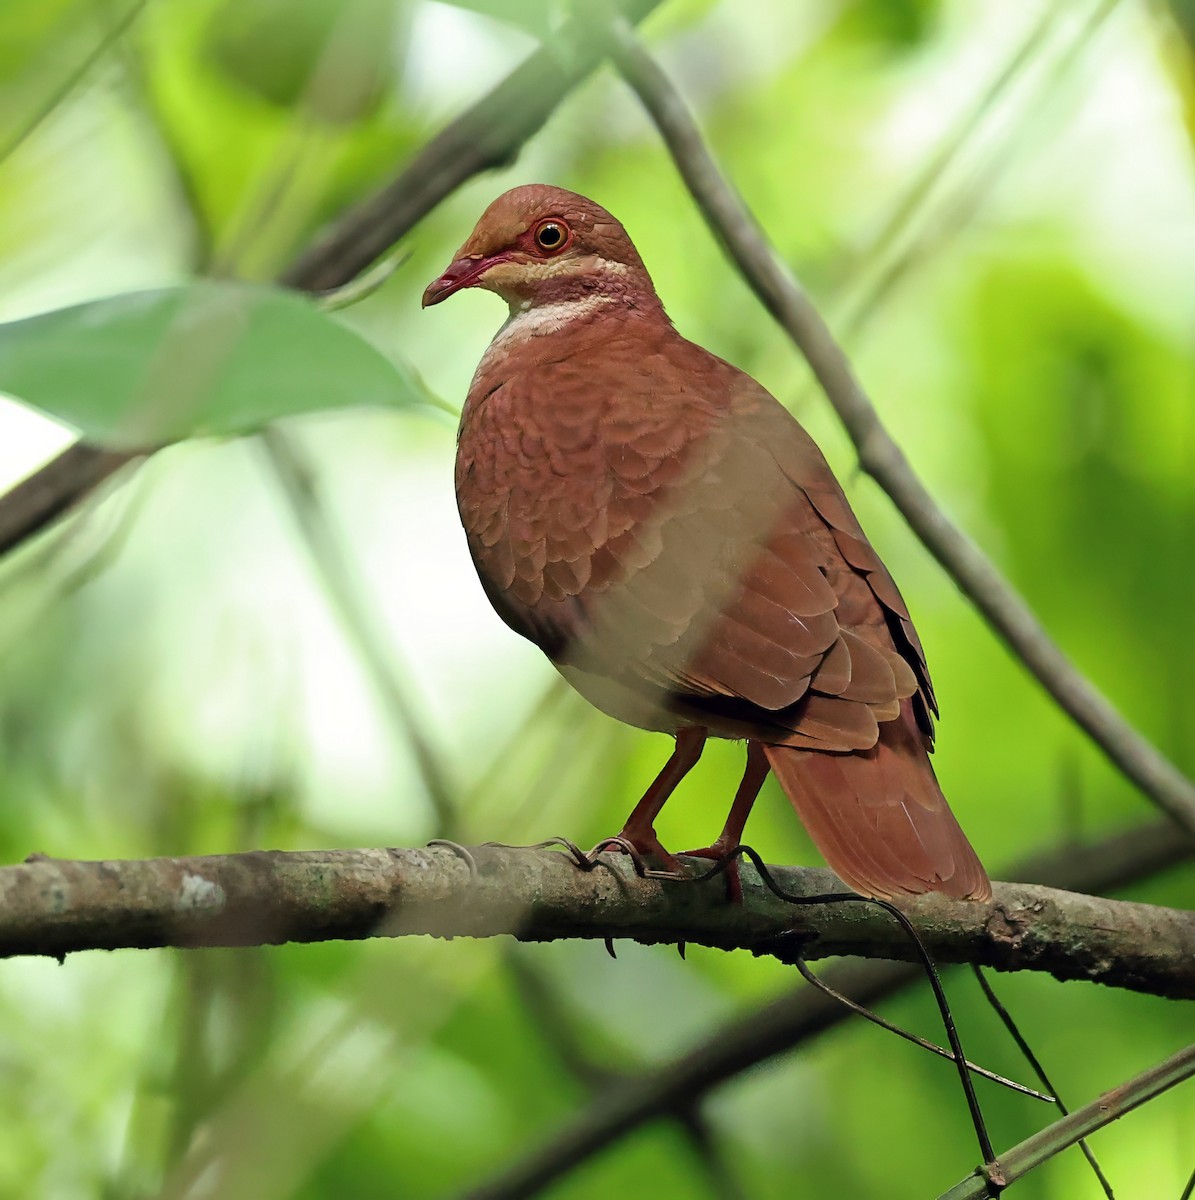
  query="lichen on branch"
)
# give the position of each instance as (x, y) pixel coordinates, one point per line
(57, 907)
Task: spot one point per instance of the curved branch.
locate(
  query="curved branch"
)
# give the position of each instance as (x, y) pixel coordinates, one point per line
(977, 576)
(55, 907)
(489, 134)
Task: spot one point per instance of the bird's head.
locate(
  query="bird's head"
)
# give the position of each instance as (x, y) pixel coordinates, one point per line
(538, 244)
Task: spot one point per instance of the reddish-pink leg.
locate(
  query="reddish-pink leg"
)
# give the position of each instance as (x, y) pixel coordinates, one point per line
(732, 832)
(639, 829)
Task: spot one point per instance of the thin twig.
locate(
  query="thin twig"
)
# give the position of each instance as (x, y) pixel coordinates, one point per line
(1189, 1190)
(181, 176)
(326, 547)
(1035, 1064)
(553, 1024)
(921, 953)
(1014, 1164)
(366, 284)
(598, 1071)
(816, 981)
(703, 1139)
(879, 455)
(913, 200)
(970, 197)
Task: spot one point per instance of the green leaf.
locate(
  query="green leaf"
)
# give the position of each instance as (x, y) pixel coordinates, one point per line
(209, 357)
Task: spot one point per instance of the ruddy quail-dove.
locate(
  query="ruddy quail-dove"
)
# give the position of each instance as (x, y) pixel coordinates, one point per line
(672, 539)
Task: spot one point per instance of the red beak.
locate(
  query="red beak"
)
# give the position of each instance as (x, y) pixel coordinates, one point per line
(463, 273)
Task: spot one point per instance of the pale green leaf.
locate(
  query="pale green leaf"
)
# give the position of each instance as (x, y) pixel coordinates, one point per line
(209, 357)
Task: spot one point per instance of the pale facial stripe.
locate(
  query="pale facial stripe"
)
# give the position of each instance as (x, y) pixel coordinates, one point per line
(540, 319)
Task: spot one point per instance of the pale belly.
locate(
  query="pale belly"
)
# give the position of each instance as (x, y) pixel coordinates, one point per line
(632, 707)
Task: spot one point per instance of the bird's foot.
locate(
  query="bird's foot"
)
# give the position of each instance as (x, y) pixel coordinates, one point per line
(726, 858)
(639, 849)
(641, 845)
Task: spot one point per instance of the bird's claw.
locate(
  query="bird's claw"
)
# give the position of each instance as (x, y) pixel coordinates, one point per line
(726, 861)
(638, 852)
(462, 852)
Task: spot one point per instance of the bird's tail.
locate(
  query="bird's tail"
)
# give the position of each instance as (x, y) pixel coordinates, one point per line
(879, 817)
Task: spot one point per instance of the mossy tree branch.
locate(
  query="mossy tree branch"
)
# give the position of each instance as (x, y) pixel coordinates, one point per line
(57, 907)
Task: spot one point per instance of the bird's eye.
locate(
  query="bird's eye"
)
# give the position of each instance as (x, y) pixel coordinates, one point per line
(551, 236)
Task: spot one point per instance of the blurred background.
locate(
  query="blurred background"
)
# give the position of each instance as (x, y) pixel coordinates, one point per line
(995, 206)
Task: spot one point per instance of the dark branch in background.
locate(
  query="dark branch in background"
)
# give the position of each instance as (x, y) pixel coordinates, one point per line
(799, 1016)
(55, 489)
(761, 1035)
(487, 135)
(55, 907)
(879, 455)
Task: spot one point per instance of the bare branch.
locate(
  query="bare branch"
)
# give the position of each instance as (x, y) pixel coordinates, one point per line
(54, 907)
(1043, 1077)
(879, 455)
(489, 134)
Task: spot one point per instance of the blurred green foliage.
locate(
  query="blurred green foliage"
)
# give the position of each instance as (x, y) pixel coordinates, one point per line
(334, 62)
(173, 679)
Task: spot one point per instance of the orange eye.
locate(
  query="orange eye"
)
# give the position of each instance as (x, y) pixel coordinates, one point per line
(551, 236)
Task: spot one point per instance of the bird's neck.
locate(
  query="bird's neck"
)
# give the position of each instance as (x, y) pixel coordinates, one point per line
(597, 281)
(533, 319)
(573, 303)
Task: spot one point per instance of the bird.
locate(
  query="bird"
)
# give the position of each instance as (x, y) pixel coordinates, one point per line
(672, 539)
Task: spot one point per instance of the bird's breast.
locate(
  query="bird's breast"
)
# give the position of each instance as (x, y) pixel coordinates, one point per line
(570, 451)
(543, 491)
